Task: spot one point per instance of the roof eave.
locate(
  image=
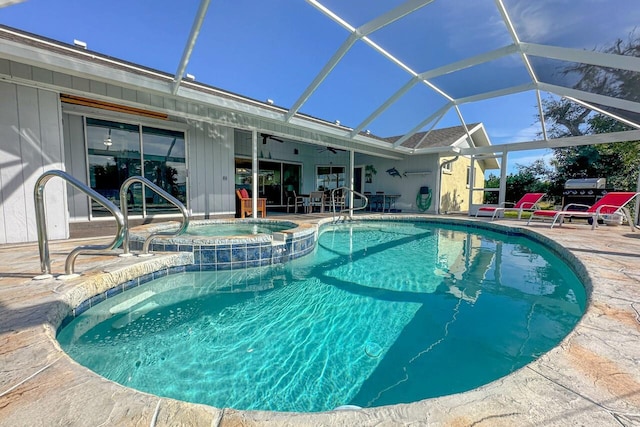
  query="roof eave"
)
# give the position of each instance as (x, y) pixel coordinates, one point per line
(62, 58)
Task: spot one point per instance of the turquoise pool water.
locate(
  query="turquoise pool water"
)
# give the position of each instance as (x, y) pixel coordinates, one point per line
(381, 313)
(236, 229)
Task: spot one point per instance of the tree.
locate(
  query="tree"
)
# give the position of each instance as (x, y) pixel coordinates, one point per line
(617, 162)
(534, 178)
(614, 82)
(564, 118)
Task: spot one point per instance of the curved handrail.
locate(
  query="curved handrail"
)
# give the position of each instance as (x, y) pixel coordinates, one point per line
(43, 242)
(125, 210)
(349, 211)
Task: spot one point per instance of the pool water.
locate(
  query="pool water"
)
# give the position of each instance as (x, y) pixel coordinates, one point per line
(236, 229)
(381, 313)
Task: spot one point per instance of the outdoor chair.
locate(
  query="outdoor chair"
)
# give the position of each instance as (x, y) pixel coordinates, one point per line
(367, 194)
(316, 199)
(293, 200)
(605, 208)
(377, 201)
(528, 202)
(245, 204)
(336, 199)
(381, 202)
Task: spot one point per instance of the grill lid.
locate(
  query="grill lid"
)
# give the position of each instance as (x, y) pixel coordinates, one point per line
(585, 183)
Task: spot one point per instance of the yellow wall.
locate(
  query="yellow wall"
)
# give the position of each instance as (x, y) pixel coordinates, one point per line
(454, 193)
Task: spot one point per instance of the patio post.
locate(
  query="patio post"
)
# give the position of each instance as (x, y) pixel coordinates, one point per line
(351, 169)
(254, 174)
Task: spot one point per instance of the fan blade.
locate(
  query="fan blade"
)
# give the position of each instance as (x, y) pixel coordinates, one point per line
(266, 136)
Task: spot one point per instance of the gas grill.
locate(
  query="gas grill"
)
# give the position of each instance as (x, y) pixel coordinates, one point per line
(585, 191)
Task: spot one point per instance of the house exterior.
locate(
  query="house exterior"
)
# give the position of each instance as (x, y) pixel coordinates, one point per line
(102, 120)
(448, 176)
(456, 182)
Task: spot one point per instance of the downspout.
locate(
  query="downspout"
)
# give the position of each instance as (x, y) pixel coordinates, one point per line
(439, 186)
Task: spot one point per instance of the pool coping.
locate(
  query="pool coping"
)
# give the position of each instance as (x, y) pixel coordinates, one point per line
(591, 378)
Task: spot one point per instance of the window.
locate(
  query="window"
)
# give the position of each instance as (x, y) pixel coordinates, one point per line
(468, 176)
(117, 151)
(447, 167)
(329, 177)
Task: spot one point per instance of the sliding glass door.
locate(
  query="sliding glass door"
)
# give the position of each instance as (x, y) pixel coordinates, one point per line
(275, 179)
(117, 151)
(270, 182)
(165, 166)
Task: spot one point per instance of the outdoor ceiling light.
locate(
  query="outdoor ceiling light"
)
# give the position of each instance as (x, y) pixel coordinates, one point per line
(108, 141)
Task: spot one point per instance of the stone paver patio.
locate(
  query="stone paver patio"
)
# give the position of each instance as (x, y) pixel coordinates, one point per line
(592, 378)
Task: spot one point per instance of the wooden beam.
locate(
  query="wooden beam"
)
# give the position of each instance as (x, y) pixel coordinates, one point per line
(103, 105)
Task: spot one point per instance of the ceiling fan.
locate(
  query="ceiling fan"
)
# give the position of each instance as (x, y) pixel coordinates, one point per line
(330, 149)
(266, 136)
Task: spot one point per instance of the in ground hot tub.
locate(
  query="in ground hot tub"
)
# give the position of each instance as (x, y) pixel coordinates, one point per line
(231, 244)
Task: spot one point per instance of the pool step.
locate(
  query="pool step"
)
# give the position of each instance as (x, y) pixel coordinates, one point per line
(126, 305)
(134, 315)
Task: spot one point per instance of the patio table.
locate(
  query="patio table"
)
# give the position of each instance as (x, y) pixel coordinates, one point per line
(384, 200)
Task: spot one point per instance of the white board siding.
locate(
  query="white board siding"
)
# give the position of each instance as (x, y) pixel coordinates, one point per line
(210, 166)
(11, 193)
(211, 159)
(30, 143)
(196, 164)
(52, 149)
(226, 188)
(76, 165)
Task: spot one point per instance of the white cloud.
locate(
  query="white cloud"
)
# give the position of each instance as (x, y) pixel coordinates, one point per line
(509, 135)
(489, 31)
(585, 24)
(530, 133)
(525, 158)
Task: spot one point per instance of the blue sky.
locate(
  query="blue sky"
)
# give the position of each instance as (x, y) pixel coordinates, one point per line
(273, 50)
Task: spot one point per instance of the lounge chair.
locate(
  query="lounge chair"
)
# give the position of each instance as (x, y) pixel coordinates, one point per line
(609, 204)
(245, 206)
(528, 202)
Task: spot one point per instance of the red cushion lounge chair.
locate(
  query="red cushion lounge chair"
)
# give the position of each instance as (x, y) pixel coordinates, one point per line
(610, 203)
(528, 202)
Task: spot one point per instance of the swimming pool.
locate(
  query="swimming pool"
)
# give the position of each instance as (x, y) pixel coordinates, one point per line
(381, 313)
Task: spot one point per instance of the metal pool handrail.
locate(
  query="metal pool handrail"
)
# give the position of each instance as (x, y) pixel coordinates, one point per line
(43, 242)
(165, 234)
(349, 211)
